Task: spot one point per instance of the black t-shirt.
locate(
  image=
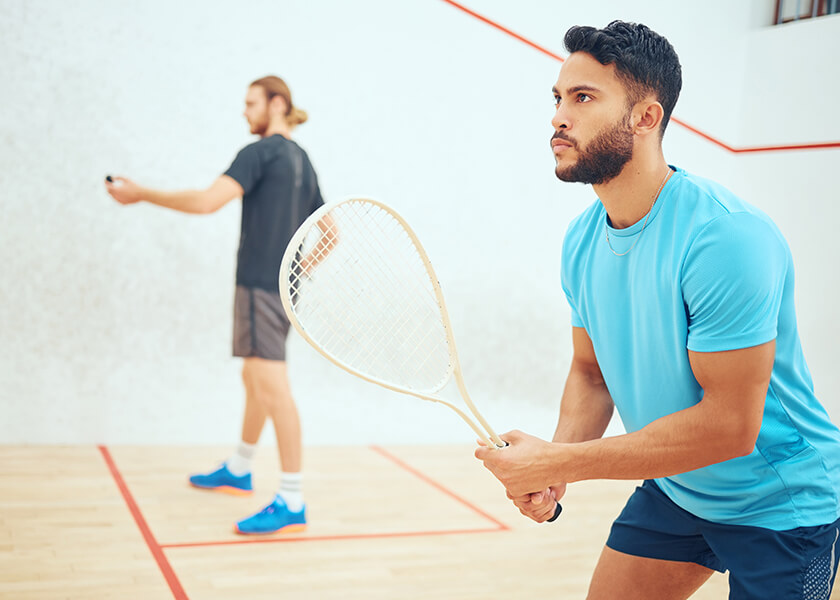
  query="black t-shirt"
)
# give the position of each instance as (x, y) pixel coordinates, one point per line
(280, 192)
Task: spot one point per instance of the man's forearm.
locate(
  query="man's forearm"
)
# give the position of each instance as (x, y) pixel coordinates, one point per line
(585, 410)
(683, 441)
(725, 424)
(325, 245)
(188, 201)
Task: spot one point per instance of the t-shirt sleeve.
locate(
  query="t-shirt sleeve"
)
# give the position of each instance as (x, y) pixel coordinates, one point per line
(565, 281)
(732, 283)
(246, 168)
(576, 320)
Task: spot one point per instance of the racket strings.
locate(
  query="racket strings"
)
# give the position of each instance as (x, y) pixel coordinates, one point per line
(380, 352)
(390, 228)
(420, 327)
(380, 306)
(379, 314)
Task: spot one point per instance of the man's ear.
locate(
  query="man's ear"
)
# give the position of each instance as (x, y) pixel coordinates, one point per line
(277, 105)
(647, 117)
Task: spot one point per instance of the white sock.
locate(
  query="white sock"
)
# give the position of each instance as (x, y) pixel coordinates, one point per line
(240, 463)
(291, 490)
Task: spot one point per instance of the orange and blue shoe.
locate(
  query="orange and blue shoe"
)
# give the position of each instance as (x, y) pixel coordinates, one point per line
(222, 480)
(274, 518)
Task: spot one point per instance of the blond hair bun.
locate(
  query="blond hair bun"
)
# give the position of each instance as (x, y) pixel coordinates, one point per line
(297, 116)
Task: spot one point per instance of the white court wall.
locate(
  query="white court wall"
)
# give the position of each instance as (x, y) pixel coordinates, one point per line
(115, 321)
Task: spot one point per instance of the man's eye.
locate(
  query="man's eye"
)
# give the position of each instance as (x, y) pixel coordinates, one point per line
(556, 100)
(583, 98)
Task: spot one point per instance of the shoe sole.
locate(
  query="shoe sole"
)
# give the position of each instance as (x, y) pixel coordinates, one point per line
(224, 489)
(293, 528)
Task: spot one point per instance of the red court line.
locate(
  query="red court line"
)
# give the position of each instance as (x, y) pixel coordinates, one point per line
(706, 136)
(155, 548)
(499, 526)
(435, 484)
(504, 29)
(321, 538)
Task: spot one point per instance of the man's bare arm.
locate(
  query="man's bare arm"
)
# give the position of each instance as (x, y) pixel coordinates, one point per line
(206, 201)
(585, 411)
(723, 425)
(326, 243)
(586, 407)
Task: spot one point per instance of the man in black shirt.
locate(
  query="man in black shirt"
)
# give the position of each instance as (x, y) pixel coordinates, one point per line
(279, 190)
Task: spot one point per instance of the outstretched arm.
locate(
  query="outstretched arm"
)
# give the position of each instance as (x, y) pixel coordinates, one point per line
(206, 201)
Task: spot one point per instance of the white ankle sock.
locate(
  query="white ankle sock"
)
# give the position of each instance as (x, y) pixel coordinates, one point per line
(240, 463)
(291, 490)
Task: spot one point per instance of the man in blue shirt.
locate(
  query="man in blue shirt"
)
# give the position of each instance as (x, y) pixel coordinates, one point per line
(682, 319)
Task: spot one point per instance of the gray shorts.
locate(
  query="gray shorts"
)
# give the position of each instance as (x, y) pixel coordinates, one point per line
(260, 325)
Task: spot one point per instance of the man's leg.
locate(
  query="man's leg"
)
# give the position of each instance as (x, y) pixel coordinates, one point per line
(655, 551)
(267, 382)
(234, 475)
(253, 421)
(620, 576)
(255, 415)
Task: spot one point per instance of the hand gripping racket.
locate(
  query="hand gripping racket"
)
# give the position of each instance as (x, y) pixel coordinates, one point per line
(357, 285)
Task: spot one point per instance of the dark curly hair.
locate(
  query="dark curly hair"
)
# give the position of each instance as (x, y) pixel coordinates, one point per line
(644, 60)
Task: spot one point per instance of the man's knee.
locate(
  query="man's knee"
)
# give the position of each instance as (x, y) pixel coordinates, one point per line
(265, 381)
(628, 577)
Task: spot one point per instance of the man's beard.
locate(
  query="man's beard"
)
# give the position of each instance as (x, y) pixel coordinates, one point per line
(261, 126)
(603, 158)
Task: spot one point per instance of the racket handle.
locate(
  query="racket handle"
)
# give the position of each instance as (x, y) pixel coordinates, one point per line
(557, 509)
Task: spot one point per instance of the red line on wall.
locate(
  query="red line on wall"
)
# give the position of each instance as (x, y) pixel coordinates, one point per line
(706, 136)
(416, 473)
(155, 548)
(504, 29)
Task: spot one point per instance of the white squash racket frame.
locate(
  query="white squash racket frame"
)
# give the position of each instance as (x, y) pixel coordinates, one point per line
(290, 262)
(293, 272)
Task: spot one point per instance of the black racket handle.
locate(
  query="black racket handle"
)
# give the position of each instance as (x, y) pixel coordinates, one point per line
(557, 510)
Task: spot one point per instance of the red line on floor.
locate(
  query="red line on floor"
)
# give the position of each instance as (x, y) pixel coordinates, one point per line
(155, 548)
(321, 538)
(451, 494)
(499, 526)
(706, 136)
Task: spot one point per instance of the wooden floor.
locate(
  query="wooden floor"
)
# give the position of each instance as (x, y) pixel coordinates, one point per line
(385, 523)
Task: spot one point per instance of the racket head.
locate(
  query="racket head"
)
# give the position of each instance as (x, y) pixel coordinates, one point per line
(371, 303)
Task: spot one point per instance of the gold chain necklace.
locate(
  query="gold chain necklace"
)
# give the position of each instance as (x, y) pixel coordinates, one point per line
(655, 198)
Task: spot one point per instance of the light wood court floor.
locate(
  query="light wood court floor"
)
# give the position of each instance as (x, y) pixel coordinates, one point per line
(402, 522)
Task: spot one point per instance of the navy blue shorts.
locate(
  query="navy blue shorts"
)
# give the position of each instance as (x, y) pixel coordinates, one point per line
(762, 563)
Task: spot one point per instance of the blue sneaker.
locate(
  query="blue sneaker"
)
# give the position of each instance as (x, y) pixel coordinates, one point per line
(276, 517)
(222, 480)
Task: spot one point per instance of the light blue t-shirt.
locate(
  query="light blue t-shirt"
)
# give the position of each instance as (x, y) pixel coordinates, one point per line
(709, 273)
